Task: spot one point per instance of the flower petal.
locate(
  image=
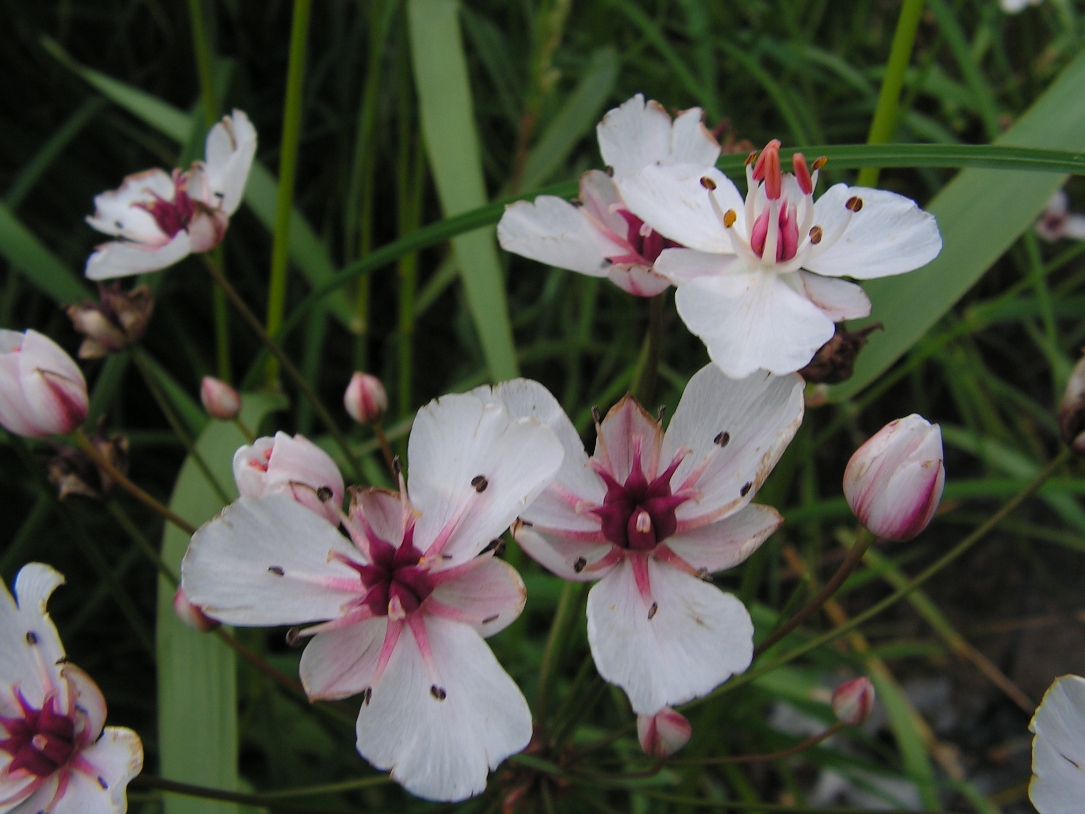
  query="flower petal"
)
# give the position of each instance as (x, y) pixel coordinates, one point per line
(269, 561)
(89, 699)
(553, 231)
(624, 426)
(727, 542)
(682, 265)
(838, 299)
(1058, 752)
(889, 235)
(297, 463)
(440, 745)
(28, 638)
(673, 201)
(1074, 228)
(116, 215)
(637, 280)
(736, 431)
(488, 597)
(752, 320)
(691, 143)
(53, 385)
(229, 150)
(697, 636)
(340, 663)
(472, 470)
(115, 759)
(634, 135)
(569, 558)
(123, 258)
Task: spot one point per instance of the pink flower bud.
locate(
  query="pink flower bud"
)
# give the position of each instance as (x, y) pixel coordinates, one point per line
(190, 614)
(42, 391)
(1072, 409)
(894, 481)
(853, 700)
(219, 399)
(663, 734)
(365, 398)
(293, 466)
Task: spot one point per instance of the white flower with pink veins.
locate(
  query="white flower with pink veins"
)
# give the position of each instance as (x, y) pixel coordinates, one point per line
(760, 279)
(55, 755)
(398, 611)
(600, 237)
(652, 514)
(160, 219)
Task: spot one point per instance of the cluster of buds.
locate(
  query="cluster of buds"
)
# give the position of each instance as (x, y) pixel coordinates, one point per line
(116, 322)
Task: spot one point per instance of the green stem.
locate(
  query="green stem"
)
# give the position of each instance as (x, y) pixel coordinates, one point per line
(809, 743)
(555, 643)
(288, 162)
(900, 54)
(258, 800)
(409, 214)
(644, 380)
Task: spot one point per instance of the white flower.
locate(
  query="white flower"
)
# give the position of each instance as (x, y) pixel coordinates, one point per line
(55, 755)
(1015, 6)
(42, 390)
(292, 466)
(1058, 751)
(759, 279)
(160, 219)
(402, 607)
(651, 515)
(1057, 221)
(601, 237)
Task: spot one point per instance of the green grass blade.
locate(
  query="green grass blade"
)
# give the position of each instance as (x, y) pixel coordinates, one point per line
(39, 266)
(981, 212)
(197, 691)
(448, 127)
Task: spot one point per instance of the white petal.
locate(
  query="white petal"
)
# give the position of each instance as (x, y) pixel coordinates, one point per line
(231, 569)
(625, 425)
(250, 466)
(838, 299)
(115, 213)
(601, 203)
(341, 663)
(1074, 228)
(561, 555)
(116, 758)
(637, 280)
(697, 638)
(488, 597)
(474, 468)
(298, 460)
(15, 412)
(889, 235)
(28, 638)
(674, 203)
(725, 543)
(682, 265)
(229, 151)
(1058, 752)
(553, 231)
(441, 749)
(752, 320)
(89, 699)
(123, 259)
(53, 385)
(691, 143)
(634, 135)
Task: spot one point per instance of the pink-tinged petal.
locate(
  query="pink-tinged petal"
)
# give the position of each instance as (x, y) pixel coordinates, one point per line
(753, 321)
(52, 384)
(28, 638)
(123, 259)
(116, 213)
(269, 561)
(691, 143)
(637, 280)
(440, 732)
(682, 265)
(567, 557)
(725, 543)
(889, 235)
(488, 597)
(229, 150)
(300, 468)
(41, 799)
(553, 231)
(697, 636)
(736, 431)
(626, 425)
(89, 700)
(1058, 751)
(16, 414)
(250, 466)
(674, 202)
(206, 230)
(663, 734)
(104, 770)
(473, 469)
(340, 663)
(837, 299)
(634, 135)
(382, 510)
(601, 203)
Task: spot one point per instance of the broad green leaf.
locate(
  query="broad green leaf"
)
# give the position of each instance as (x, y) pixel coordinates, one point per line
(981, 212)
(306, 250)
(448, 127)
(197, 676)
(576, 117)
(39, 266)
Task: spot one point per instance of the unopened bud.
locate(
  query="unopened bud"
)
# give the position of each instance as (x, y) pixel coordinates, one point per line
(1072, 409)
(190, 614)
(219, 399)
(853, 700)
(365, 398)
(894, 481)
(663, 734)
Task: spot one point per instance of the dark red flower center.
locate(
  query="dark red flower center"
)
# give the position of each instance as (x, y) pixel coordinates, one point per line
(41, 741)
(172, 216)
(643, 240)
(394, 574)
(639, 514)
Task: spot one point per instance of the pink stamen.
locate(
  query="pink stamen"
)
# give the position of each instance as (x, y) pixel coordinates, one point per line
(768, 169)
(802, 174)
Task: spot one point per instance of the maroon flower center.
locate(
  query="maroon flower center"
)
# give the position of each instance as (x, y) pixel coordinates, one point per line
(394, 575)
(172, 216)
(644, 241)
(639, 514)
(41, 741)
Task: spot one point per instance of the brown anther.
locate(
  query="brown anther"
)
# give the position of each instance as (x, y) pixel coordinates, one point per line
(752, 157)
(489, 619)
(854, 203)
(816, 234)
(746, 487)
(729, 218)
(578, 566)
(818, 163)
(324, 494)
(397, 466)
(276, 570)
(31, 637)
(653, 610)
(480, 483)
(722, 440)
(438, 692)
(708, 183)
(596, 416)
